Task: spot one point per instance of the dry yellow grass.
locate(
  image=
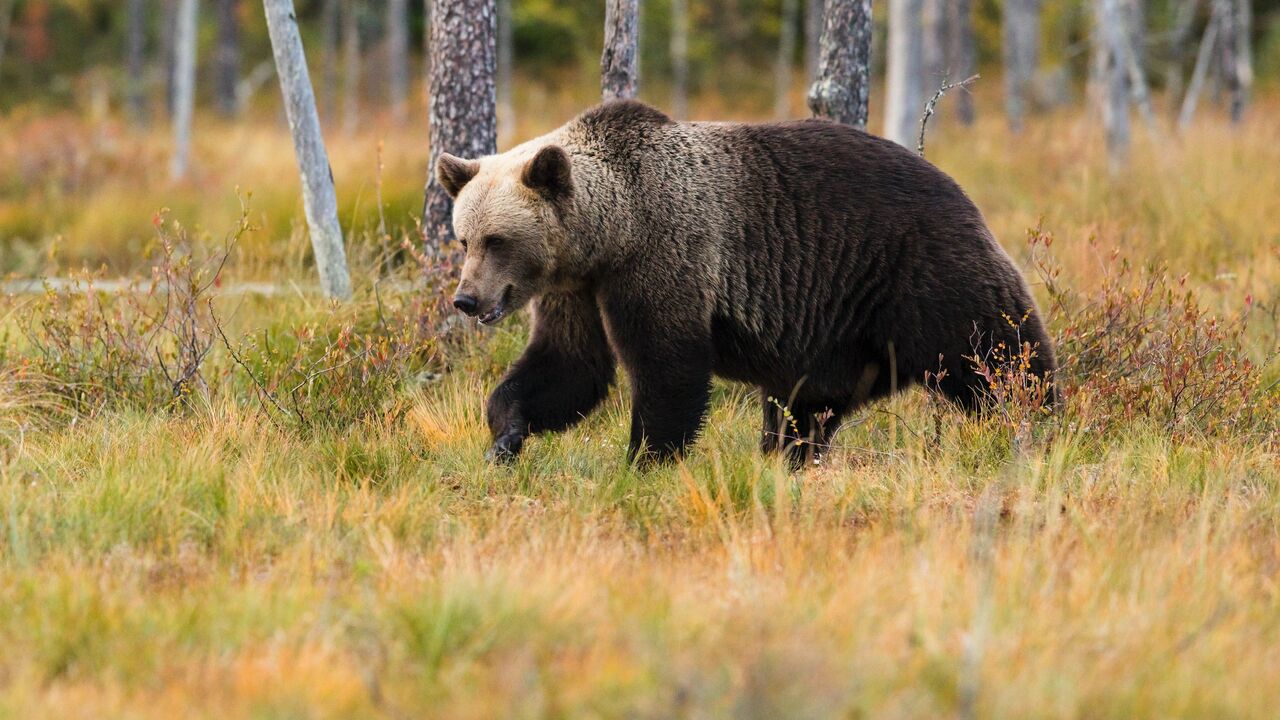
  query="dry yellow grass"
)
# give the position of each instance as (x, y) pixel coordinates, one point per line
(212, 564)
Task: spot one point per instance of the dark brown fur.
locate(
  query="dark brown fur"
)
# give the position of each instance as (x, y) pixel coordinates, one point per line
(819, 263)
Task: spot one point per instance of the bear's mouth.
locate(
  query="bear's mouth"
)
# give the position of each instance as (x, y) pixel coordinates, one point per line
(497, 312)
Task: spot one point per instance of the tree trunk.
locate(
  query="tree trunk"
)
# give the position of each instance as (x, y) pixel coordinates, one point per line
(812, 38)
(1021, 56)
(184, 87)
(169, 53)
(463, 117)
(842, 87)
(398, 59)
(1178, 38)
(318, 198)
(933, 26)
(351, 71)
(679, 58)
(782, 71)
(506, 69)
(1233, 33)
(329, 59)
(1109, 31)
(136, 88)
(961, 55)
(904, 96)
(227, 59)
(1244, 50)
(1201, 71)
(619, 64)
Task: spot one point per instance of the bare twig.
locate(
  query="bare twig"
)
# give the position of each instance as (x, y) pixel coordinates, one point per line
(262, 390)
(933, 103)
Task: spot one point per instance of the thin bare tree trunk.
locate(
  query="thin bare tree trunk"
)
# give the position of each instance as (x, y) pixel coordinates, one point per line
(1230, 36)
(961, 55)
(506, 70)
(1183, 19)
(227, 58)
(1244, 49)
(1021, 56)
(812, 38)
(169, 53)
(329, 59)
(842, 87)
(398, 59)
(318, 197)
(619, 64)
(184, 87)
(904, 101)
(464, 50)
(1110, 31)
(136, 88)
(782, 71)
(351, 71)
(1201, 71)
(679, 58)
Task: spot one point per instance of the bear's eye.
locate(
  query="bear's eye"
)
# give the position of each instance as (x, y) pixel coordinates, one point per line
(464, 245)
(492, 242)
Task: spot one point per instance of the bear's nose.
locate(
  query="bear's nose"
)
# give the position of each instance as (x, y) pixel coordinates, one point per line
(466, 303)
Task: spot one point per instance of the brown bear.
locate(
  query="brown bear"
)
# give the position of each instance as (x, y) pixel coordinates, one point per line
(822, 264)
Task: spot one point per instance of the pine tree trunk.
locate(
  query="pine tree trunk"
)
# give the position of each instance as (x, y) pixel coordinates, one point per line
(1021, 29)
(351, 71)
(184, 87)
(961, 56)
(782, 71)
(812, 38)
(398, 59)
(136, 88)
(1110, 33)
(463, 98)
(506, 70)
(318, 198)
(227, 58)
(904, 96)
(842, 87)
(619, 64)
(679, 58)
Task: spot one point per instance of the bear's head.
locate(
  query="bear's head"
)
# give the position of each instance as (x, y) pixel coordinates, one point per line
(507, 213)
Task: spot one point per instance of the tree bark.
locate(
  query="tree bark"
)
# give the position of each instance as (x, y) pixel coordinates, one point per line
(1233, 34)
(184, 87)
(351, 70)
(1021, 30)
(1201, 71)
(506, 69)
(812, 38)
(782, 71)
(842, 87)
(679, 58)
(1110, 32)
(463, 114)
(227, 58)
(136, 88)
(904, 95)
(961, 55)
(398, 59)
(319, 201)
(329, 59)
(619, 64)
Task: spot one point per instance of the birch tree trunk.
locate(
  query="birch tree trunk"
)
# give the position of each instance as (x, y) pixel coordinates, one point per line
(463, 115)
(1021, 30)
(329, 59)
(227, 58)
(961, 55)
(812, 38)
(1203, 57)
(136, 88)
(1179, 36)
(679, 58)
(904, 101)
(318, 198)
(619, 69)
(842, 87)
(506, 69)
(1244, 50)
(786, 56)
(1233, 41)
(1110, 33)
(351, 71)
(398, 59)
(184, 87)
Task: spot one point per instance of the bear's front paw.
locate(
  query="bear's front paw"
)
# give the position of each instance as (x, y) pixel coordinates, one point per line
(505, 448)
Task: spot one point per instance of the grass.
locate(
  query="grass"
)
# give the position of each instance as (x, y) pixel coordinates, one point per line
(212, 559)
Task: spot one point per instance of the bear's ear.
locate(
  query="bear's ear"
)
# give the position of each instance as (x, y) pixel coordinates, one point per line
(549, 173)
(453, 173)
